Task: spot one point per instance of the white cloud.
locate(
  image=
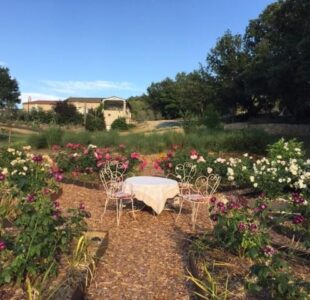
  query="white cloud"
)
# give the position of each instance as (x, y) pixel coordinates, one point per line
(75, 87)
(37, 96)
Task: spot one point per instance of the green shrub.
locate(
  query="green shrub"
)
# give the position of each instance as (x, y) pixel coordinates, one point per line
(94, 121)
(53, 136)
(37, 141)
(212, 117)
(120, 124)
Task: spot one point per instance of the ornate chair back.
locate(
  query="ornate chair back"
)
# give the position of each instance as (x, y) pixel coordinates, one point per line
(185, 174)
(111, 180)
(207, 185)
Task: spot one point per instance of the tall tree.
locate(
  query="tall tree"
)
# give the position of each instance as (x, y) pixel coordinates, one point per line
(227, 62)
(279, 43)
(9, 91)
(67, 113)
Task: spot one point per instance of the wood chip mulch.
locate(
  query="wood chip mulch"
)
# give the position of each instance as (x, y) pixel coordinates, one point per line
(146, 258)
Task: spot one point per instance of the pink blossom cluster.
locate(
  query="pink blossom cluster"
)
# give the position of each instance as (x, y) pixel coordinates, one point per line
(2, 177)
(297, 198)
(269, 251)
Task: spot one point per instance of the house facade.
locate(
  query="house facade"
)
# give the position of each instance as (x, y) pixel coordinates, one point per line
(83, 104)
(45, 105)
(113, 107)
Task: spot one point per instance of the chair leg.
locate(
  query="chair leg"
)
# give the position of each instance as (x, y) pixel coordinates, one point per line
(118, 211)
(195, 214)
(180, 210)
(106, 205)
(133, 209)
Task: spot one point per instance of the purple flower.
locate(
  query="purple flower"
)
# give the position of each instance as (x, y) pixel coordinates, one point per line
(56, 204)
(220, 204)
(58, 176)
(253, 227)
(213, 199)
(241, 227)
(214, 217)
(30, 198)
(37, 158)
(261, 207)
(269, 251)
(82, 206)
(2, 176)
(46, 191)
(2, 245)
(233, 205)
(297, 198)
(298, 219)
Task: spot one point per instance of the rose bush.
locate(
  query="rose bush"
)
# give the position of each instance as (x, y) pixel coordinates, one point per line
(89, 159)
(39, 231)
(284, 169)
(24, 172)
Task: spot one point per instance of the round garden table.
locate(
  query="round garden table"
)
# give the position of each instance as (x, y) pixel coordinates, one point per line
(153, 191)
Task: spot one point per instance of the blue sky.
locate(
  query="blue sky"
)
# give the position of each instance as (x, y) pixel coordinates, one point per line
(62, 48)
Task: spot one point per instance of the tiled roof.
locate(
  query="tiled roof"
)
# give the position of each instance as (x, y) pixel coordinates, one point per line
(49, 102)
(81, 99)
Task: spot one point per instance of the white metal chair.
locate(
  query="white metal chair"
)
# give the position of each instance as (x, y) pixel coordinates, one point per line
(184, 174)
(112, 182)
(200, 194)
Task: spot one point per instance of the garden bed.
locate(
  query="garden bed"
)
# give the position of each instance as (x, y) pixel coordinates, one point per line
(222, 271)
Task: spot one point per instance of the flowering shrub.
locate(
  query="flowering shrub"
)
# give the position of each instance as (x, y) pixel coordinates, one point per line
(24, 172)
(78, 158)
(238, 228)
(283, 169)
(41, 234)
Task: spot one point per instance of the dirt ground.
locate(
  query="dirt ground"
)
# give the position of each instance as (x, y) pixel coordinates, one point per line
(146, 258)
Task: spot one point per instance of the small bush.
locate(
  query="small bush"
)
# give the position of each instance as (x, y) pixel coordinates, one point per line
(37, 141)
(53, 136)
(120, 124)
(212, 117)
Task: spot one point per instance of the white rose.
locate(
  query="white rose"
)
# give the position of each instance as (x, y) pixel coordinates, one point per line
(209, 170)
(255, 184)
(231, 178)
(201, 159)
(252, 179)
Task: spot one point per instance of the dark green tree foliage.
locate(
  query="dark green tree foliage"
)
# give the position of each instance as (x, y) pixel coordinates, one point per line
(95, 120)
(279, 44)
(119, 124)
(67, 113)
(9, 91)
(227, 62)
(162, 97)
(186, 94)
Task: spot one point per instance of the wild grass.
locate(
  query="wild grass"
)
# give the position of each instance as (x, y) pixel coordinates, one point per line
(254, 141)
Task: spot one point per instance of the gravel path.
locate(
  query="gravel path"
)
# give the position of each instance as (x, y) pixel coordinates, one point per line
(146, 257)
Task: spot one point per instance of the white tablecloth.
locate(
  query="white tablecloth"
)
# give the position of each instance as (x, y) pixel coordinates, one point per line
(153, 191)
